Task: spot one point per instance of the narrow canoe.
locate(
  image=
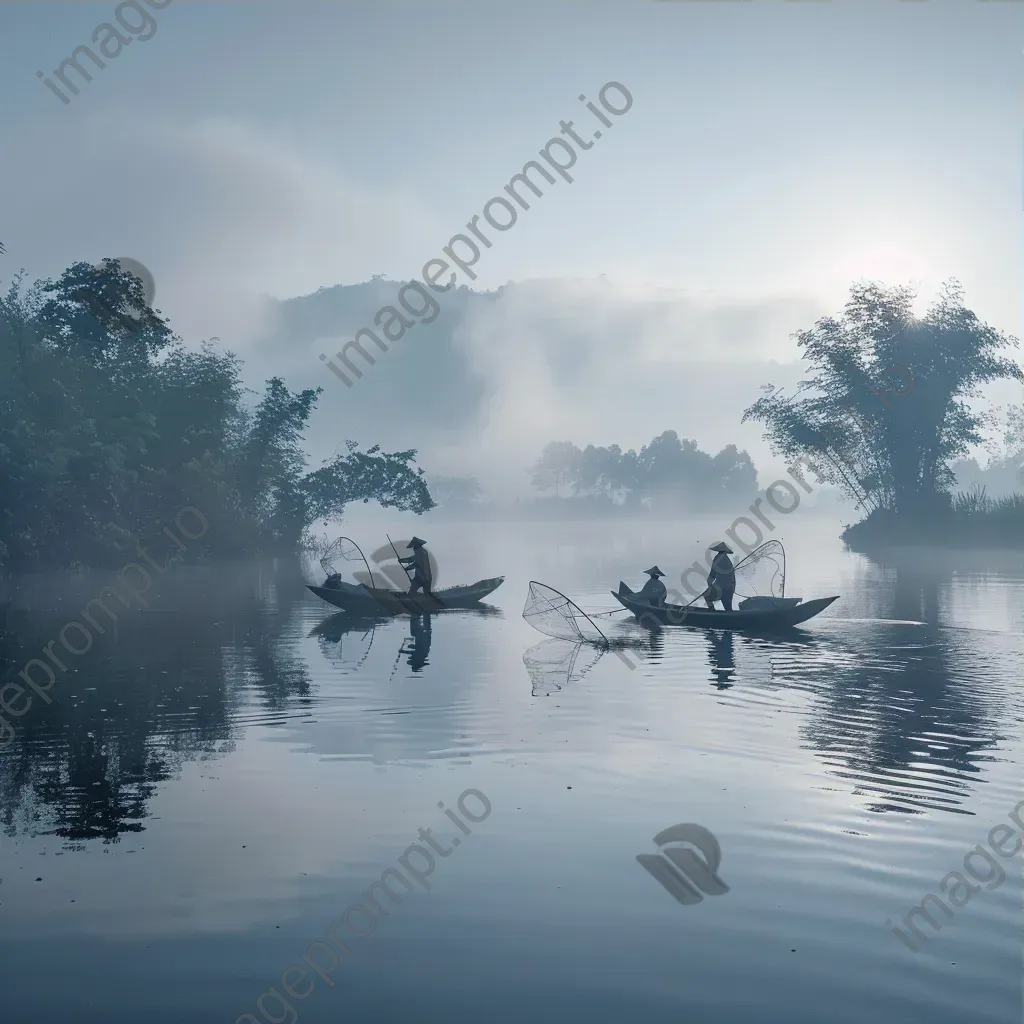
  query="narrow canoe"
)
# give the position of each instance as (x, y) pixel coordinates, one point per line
(763, 620)
(397, 602)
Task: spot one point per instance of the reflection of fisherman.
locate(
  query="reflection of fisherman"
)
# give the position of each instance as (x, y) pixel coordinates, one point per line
(721, 579)
(420, 564)
(720, 654)
(653, 591)
(419, 630)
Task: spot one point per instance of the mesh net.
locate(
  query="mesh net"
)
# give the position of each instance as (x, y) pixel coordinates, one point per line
(344, 558)
(553, 613)
(763, 572)
(553, 664)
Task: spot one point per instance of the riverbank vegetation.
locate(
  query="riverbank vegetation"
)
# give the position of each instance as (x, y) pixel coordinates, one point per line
(886, 410)
(109, 425)
(967, 519)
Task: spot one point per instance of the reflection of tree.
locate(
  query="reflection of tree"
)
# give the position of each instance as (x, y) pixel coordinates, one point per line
(162, 691)
(894, 714)
(916, 597)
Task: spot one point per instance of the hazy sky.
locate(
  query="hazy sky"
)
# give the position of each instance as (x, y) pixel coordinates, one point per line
(775, 152)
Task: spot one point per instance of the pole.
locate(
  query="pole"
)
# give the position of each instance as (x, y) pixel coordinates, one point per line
(400, 562)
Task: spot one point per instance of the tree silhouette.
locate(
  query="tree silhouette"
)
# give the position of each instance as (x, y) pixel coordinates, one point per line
(885, 409)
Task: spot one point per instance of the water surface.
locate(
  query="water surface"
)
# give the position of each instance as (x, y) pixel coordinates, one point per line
(229, 769)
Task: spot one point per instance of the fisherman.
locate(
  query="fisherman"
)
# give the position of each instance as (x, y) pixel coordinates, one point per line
(721, 579)
(420, 563)
(653, 591)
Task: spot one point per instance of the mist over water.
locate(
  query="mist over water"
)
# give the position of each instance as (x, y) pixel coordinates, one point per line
(569, 292)
(212, 787)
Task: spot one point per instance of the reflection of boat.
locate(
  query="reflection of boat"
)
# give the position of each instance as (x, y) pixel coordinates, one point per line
(335, 626)
(364, 599)
(752, 619)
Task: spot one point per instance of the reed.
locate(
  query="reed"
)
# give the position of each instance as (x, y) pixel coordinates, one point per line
(966, 519)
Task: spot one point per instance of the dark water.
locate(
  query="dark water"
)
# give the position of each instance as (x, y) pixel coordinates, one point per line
(228, 771)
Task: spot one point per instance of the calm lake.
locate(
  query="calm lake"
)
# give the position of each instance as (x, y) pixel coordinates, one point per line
(231, 768)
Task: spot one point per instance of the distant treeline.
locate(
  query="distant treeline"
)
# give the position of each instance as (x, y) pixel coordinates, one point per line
(109, 425)
(669, 474)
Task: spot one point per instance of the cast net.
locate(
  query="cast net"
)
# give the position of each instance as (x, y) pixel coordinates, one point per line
(763, 572)
(553, 613)
(552, 664)
(344, 558)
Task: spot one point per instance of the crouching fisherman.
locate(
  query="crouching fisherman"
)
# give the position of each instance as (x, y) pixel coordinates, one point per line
(419, 562)
(653, 591)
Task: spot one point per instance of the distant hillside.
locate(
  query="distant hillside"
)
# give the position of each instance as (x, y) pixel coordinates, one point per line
(424, 372)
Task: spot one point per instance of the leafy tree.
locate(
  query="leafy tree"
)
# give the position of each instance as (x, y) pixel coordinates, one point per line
(455, 491)
(109, 425)
(558, 464)
(884, 409)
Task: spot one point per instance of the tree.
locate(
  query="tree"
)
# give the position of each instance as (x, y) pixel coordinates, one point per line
(109, 425)
(455, 491)
(558, 463)
(884, 409)
(735, 472)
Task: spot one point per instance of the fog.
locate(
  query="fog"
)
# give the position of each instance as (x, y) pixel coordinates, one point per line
(734, 204)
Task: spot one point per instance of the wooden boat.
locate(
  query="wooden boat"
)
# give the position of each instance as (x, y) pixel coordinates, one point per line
(364, 599)
(755, 620)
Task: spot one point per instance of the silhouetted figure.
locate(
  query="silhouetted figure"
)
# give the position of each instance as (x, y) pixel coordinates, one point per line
(721, 579)
(653, 591)
(419, 630)
(420, 564)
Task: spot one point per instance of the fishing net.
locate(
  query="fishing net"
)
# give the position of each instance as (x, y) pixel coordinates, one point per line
(345, 641)
(553, 664)
(553, 613)
(343, 558)
(763, 572)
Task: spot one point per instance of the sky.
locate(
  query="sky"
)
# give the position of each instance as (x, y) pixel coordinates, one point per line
(774, 153)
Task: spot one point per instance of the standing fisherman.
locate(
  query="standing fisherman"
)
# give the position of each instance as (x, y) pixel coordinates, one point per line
(721, 579)
(653, 591)
(420, 563)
